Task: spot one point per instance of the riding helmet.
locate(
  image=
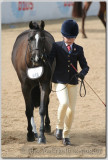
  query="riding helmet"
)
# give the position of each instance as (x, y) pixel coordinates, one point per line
(70, 29)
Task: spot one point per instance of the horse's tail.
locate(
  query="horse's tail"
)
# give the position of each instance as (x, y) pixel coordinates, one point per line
(77, 10)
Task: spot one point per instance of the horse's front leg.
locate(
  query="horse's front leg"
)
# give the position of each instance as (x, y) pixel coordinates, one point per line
(42, 110)
(101, 13)
(47, 120)
(84, 12)
(26, 90)
(83, 24)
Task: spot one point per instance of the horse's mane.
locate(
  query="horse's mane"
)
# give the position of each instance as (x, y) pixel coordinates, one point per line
(48, 36)
(49, 41)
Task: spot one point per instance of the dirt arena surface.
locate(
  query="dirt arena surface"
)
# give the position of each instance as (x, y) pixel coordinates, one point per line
(88, 133)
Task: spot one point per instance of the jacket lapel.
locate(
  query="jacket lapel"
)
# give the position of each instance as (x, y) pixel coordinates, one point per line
(64, 47)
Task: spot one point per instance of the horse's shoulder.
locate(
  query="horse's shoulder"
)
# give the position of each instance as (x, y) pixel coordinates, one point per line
(19, 40)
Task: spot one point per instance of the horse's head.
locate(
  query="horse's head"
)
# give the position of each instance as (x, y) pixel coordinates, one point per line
(36, 41)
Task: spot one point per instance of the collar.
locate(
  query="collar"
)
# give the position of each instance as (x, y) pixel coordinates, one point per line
(70, 45)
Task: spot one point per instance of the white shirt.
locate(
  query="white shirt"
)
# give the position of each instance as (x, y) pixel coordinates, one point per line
(70, 46)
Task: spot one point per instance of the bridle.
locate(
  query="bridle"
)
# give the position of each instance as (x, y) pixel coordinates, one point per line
(43, 56)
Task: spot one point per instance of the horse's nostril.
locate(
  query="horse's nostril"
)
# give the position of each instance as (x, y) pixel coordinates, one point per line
(32, 59)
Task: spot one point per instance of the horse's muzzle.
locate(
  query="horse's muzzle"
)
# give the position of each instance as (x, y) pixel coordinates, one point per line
(36, 62)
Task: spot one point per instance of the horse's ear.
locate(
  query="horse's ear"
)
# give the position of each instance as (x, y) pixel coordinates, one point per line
(30, 25)
(42, 25)
(33, 25)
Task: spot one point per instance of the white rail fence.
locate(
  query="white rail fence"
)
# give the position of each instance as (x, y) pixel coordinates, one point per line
(24, 11)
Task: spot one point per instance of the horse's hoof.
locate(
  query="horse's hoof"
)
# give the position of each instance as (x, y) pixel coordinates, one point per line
(48, 129)
(36, 135)
(41, 140)
(30, 137)
(84, 36)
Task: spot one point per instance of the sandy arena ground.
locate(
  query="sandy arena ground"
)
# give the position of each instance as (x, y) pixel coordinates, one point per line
(88, 133)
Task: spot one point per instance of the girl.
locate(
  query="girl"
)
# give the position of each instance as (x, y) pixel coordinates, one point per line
(67, 53)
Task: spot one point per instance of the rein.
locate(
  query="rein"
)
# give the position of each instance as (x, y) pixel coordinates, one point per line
(82, 81)
(90, 87)
(82, 84)
(26, 57)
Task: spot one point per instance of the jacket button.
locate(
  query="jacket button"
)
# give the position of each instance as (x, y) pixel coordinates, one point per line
(68, 55)
(68, 60)
(68, 65)
(68, 70)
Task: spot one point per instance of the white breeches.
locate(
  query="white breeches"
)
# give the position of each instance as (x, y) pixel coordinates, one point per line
(67, 101)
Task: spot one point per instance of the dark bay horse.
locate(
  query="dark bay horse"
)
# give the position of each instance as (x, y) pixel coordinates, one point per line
(30, 53)
(80, 10)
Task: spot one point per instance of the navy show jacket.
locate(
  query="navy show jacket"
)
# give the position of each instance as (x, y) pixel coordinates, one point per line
(64, 73)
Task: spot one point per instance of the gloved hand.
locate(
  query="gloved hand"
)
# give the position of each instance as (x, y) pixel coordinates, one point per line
(80, 75)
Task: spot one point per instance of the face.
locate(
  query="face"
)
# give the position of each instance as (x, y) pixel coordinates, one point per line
(36, 44)
(69, 41)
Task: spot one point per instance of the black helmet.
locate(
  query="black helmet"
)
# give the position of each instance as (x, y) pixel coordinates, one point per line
(70, 29)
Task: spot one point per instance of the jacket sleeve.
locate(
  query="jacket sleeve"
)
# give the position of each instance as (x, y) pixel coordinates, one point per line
(52, 54)
(83, 62)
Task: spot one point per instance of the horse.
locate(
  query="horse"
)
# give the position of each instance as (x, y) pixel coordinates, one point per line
(30, 61)
(79, 11)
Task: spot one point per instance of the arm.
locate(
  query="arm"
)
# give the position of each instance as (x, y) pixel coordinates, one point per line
(83, 64)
